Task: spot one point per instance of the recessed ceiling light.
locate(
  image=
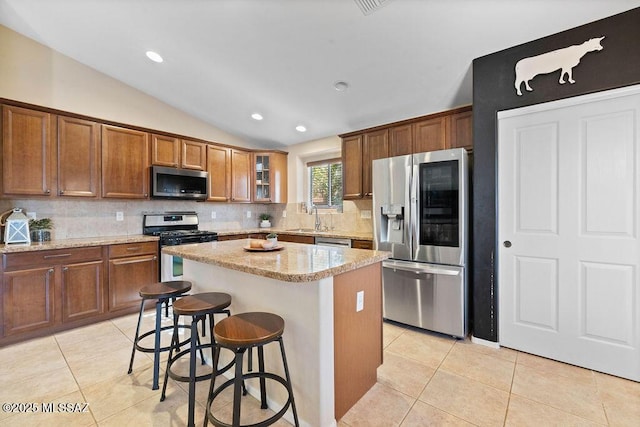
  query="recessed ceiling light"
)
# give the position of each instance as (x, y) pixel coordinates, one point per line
(257, 116)
(341, 86)
(154, 56)
(301, 128)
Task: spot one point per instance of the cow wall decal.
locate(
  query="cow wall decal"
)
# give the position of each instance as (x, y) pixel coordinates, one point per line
(564, 59)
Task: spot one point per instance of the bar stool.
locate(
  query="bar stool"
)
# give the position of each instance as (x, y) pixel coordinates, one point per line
(239, 333)
(199, 307)
(162, 292)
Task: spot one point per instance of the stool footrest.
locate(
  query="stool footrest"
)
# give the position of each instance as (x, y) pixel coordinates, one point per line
(152, 332)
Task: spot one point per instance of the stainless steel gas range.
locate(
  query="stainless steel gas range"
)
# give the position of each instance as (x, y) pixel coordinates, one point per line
(174, 228)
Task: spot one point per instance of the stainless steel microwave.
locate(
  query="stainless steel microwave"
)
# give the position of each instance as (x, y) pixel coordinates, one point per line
(174, 183)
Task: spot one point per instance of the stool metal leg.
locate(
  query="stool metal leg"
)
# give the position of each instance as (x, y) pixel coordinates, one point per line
(135, 339)
(237, 387)
(192, 370)
(174, 343)
(289, 386)
(156, 353)
(263, 387)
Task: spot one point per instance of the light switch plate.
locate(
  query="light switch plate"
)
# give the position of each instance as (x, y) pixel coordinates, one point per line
(365, 214)
(248, 214)
(284, 214)
(119, 216)
(213, 214)
(359, 300)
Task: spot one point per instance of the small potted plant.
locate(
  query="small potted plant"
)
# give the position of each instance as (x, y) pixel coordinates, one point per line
(265, 223)
(40, 229)
(272, 238)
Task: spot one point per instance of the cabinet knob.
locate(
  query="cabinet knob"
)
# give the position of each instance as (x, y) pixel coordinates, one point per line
(50, 271)
(146, 195)
(61, 192)
(65, 269)
(47, 191)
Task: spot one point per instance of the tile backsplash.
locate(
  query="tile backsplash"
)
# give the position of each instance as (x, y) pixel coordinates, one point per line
(93, 218)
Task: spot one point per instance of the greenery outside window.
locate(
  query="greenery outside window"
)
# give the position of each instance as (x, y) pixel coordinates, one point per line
(325, 184)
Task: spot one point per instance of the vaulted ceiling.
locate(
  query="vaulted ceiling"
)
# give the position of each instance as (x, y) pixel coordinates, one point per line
(227, 59)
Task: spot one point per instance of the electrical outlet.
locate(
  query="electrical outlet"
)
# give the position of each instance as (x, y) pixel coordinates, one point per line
(119, 216)
(31, 215)
(284, 214)
(213, 214)
(359, 300)
(365, 214)
(248, 214)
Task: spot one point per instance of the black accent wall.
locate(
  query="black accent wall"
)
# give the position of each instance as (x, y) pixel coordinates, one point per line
(617, 65)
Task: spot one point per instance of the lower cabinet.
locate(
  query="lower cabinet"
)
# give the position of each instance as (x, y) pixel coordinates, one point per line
(44, 289)
(52, 290)
(131, 266)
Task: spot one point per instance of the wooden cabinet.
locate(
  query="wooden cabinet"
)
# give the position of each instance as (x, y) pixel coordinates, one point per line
(430, 135)
(240, 176)
(131, 266)
(194, 155)
(270, 177)
(352, 167)
(165, 151)
(43, 289)
(361, 244)
(125, 163)
(295, 238)
(78, 157)
(232, 237)
(219, 168)
(400, 140)
(461, 130)
(28, 154)
(178, 153)
(375, 146)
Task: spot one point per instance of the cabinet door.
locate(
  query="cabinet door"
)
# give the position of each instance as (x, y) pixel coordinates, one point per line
(309, 240)
(361, 244)
(27, 156)
(165, 151)
(461, 130)
(125, 163)
(400, 140)
(194, 155)
(78, 157)
(279, 185)
(219, 168)
(240, 176)
(430, 135)
(127, 276)
(352, 167)
(28, 300)
(82, 290)
(375, 146)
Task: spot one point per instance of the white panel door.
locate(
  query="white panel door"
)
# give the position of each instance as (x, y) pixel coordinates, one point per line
(568, 216)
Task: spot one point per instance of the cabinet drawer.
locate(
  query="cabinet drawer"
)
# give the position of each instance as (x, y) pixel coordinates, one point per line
(361, 244)
(14, 261)
(132, 249)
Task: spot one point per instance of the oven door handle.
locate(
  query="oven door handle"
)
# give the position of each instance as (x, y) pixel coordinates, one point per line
(419, 268)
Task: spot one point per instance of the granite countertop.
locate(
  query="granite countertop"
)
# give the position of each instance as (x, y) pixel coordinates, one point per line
(75, 243)
(296, 262)
(301, 232)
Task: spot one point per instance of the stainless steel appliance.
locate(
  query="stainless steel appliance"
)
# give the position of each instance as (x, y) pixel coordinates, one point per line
(174, 183)
(420, 216)
(174, 228)
(333, 241)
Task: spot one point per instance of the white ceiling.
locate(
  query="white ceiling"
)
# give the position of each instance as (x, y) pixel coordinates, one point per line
(225, 59)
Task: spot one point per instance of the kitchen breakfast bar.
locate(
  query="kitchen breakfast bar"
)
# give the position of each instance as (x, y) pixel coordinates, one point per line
(331, 301)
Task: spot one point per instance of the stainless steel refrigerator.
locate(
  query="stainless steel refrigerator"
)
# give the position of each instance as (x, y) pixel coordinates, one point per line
(420, 216)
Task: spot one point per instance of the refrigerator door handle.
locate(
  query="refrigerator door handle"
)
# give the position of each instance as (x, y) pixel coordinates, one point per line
(420, 269)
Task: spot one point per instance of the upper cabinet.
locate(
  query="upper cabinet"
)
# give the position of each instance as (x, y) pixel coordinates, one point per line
(178, 153)
(219, 169)
(240, 176)
(270, 177)
(78, 157)
(28, 159)
(125, 163)
(375, 146)
(352, 167)
(452, 129)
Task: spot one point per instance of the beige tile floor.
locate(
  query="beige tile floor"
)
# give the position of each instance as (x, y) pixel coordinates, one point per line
(426, 379)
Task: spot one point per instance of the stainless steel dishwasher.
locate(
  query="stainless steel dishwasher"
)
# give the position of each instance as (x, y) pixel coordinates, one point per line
(333, 241)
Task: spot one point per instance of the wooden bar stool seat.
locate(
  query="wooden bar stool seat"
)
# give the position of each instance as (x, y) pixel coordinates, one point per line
(162, 292)
(198, 307)
(239, 333)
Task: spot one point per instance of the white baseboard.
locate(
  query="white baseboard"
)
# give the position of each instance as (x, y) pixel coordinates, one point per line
(486, 343)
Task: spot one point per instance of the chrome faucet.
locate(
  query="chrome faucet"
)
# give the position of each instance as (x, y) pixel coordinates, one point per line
(317, 225)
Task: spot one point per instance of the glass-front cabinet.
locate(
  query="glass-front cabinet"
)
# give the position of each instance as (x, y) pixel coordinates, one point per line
(270, 177)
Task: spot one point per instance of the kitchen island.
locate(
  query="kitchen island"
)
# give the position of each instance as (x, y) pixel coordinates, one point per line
(331, 301)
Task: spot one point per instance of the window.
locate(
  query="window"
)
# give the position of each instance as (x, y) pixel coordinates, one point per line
(325, 183)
